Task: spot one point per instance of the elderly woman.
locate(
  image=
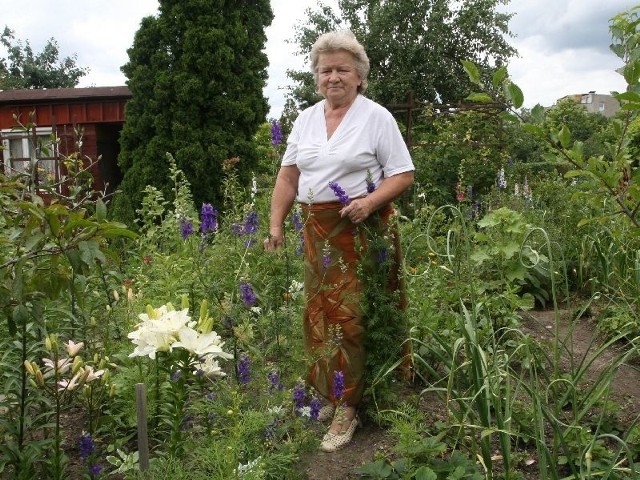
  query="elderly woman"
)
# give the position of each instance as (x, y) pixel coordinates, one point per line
(345, 162)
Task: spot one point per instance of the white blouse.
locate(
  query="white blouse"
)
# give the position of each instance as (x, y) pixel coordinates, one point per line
(367, 141)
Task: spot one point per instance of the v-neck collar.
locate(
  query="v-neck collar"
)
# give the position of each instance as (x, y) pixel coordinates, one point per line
(344, 120)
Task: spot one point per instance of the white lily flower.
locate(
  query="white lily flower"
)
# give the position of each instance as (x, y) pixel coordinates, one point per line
(63, 365)
(73, 348)
(208, 367)
(201, 344)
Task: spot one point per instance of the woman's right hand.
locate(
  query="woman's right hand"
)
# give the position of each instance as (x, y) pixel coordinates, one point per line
(274, 240)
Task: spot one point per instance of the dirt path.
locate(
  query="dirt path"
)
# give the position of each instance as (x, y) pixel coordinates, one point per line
(586, 342)
(371, 439)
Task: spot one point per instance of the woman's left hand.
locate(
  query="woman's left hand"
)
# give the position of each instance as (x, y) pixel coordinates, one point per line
(358, 210)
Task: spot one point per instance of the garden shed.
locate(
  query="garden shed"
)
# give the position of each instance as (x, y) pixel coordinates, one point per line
(64, 121)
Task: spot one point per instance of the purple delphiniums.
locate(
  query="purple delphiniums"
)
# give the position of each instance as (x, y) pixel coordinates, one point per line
(244, 370)
(338, 384)
(251, 223)
(326, 261)
(315, 404)
(95, 469)
(274, 382)
(297, 222)
(186, 228)
(299, 396)
(276, 133)
(246, 294)
(339, 192)
(371, 185)
(86, 446)
(208, 218)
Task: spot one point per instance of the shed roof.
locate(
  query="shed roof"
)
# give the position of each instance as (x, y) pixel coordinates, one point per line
(62, 94)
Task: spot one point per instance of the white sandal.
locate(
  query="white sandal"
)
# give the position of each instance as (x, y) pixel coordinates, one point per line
(326, 413)
(335, 441)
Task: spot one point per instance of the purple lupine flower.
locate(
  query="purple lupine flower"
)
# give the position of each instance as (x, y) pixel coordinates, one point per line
(86, 446)
(176, 375)
(274, 382)
(186, 228)
(371, 187)
(297, 222)
(251, 223)
(338, 384)
(315, 404)
(244, 370)
(95, 469)
(246, 294)
(299, 396)
(326, 261)
(339, 192)
(208, 218)
(276, 133)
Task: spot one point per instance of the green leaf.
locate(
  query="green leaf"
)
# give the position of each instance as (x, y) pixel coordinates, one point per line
(33, 241)
(20, 316)
(479, 97)
(472, 71)
(628, 97)
(514, 94)
(535, 129)
(499, 76)
(564, 136)
(90, 251)
(425, 473)
(537, 113)
(101, 210)
(631, 72)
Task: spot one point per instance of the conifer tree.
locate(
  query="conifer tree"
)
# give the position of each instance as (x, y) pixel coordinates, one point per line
(196, 72)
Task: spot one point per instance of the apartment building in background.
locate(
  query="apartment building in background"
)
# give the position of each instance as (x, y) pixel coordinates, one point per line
(593, 102)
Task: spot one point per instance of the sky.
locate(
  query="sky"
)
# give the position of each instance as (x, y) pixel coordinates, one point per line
(563, 45)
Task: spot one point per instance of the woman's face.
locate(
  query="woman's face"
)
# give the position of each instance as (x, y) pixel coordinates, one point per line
(337, 77)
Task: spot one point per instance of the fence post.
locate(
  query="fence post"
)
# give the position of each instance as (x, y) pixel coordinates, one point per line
(143, 437)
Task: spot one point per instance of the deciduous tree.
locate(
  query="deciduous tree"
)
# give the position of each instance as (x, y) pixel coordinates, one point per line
(413, 45)
(25, 69)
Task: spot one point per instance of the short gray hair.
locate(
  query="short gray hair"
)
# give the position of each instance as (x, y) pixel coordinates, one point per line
(341, 40)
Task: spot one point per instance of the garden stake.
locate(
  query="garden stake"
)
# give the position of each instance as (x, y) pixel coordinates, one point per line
(143, 438)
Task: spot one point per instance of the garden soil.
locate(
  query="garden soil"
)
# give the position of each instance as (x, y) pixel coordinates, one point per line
(371, 442)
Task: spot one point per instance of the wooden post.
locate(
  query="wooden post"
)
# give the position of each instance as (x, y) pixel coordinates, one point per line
(143, 437)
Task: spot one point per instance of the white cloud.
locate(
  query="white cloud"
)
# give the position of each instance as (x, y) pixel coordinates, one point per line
(563, 44)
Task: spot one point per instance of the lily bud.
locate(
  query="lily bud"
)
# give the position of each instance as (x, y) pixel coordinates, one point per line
(151, 313)
(184, 301)
(116, 295)
(112, 390)
(130, 295)
(39, 378)
(29, 368)
(77, 364)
